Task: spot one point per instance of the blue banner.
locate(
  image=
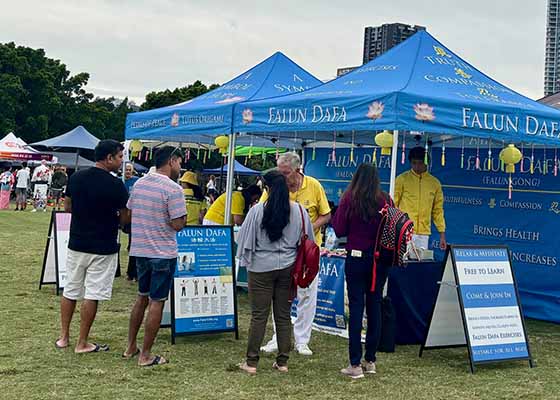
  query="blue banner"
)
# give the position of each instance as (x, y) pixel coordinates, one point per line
(203, 297)
(330, 314)
(478, 210)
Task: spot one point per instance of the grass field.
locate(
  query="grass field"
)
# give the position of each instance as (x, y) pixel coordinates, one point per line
(203, 367)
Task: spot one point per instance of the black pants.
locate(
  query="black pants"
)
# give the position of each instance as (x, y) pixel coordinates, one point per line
(359, 274)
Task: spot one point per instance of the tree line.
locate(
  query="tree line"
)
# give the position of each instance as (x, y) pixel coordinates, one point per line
(40, 98)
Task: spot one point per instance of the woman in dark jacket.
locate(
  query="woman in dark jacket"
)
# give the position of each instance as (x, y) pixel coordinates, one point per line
(358, 218)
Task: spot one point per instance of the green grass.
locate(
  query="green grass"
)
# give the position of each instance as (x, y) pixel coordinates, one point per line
(202, 367)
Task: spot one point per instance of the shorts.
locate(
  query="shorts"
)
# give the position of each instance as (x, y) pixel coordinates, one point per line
(21, 195)
(89, 276)
(56, 193)
(155, 276)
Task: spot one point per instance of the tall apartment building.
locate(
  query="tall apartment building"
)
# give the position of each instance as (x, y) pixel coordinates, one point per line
(379, 39)
(552, 60)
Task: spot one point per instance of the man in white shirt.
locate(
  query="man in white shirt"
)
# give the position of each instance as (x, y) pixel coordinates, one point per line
(22, 184)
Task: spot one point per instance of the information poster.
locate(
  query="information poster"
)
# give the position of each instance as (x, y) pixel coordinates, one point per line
(54, 262)
(478, 306)
(493, 319)
(203, 291)
(330, 314)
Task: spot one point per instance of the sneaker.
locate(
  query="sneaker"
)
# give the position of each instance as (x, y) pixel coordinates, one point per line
(270, 347)
(246, 368)
(304, 350)
(368, 367)
(281, 368)
(34, 210)
(353, 372)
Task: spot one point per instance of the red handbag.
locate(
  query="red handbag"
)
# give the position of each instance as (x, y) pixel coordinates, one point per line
(306, 266)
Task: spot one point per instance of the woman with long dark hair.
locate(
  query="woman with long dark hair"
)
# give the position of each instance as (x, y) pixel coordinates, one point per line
(267, 247)
(358, 218)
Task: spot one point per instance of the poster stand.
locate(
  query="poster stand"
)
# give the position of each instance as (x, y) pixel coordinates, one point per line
(478, 306)
(54, 260)
(205, 254)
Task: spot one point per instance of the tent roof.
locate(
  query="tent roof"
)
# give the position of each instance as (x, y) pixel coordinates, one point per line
(238, 168)
(14, 148)
(77, 138)
(419, 85)
(211, 113)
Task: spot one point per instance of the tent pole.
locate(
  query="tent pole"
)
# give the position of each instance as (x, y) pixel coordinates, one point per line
(77, 159)
(394, 157)
(303, 159)
(229, 184)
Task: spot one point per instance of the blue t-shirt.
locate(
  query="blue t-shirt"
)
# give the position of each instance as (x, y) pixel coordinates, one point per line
(128, 183)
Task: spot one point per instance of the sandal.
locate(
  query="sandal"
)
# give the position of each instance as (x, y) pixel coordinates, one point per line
(97, 349)
(158, 360)
(129, 356)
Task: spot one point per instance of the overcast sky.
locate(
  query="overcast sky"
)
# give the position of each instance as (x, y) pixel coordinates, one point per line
(133, 47)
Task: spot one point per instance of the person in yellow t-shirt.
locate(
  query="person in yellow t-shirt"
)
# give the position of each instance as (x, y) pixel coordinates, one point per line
(308, 192)
(194, 198)
(419, 194)
(240, 204)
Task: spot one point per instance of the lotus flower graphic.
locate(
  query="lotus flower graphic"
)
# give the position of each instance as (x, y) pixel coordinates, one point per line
(230, 100)
(375, 110)
(424, 112)
(247, 116)
(175, 119)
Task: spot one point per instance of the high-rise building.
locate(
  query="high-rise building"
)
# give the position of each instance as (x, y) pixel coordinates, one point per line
(379, 39)
(552, 61)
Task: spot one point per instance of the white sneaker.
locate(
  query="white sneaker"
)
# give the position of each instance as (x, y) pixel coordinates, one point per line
(304, 350)
(34, 210)
(368, 367)
(270, 347)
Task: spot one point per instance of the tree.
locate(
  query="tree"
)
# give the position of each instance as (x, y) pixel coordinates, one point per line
(169, 97)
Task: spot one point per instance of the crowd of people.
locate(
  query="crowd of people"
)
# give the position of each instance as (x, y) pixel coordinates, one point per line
(153, 208)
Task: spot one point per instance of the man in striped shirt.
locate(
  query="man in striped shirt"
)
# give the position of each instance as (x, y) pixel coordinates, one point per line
(158, 209)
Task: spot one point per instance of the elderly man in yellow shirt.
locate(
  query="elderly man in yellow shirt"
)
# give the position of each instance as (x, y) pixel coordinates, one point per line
(419, 194)
(308, 192)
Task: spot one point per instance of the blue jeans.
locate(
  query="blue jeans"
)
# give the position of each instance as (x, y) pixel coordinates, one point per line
(155, 276)
(359, 273)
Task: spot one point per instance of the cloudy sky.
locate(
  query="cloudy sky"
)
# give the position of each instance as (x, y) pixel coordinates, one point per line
(133, 47)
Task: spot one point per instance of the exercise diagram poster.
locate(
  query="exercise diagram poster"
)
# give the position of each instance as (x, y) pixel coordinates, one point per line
(203, 287)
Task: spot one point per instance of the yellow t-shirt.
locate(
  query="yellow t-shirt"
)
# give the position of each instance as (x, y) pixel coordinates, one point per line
(312, 197)
(194, 206)
(216, 212)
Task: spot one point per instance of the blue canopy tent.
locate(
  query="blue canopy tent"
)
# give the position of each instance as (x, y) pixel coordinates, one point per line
(77, 139)
(238, 169)
(200, 119)
(419, 85)
(423, 86)
(209, 115)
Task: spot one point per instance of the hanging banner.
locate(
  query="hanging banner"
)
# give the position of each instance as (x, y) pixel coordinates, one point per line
(478, 306)
(330, 316)
(203, 292)
(477, 207)
(54, 261)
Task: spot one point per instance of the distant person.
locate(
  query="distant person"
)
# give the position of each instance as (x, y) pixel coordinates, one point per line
(194, 198)
(308, 192)
(419, 194)
(97, 201)
(259, 183)
(7, 180)
(58, 184)
(157, 208)
(129, 180)
(23, 177)
(40, 185)
(267, 247)
(358, 218)
(240, 204)
(211, 185)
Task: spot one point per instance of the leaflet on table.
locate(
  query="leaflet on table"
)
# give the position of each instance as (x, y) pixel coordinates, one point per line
(203, 282)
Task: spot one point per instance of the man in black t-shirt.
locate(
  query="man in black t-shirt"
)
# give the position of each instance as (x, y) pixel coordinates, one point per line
(97, 201)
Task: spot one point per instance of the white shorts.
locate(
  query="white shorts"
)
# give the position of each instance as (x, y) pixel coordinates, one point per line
(89, 276)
